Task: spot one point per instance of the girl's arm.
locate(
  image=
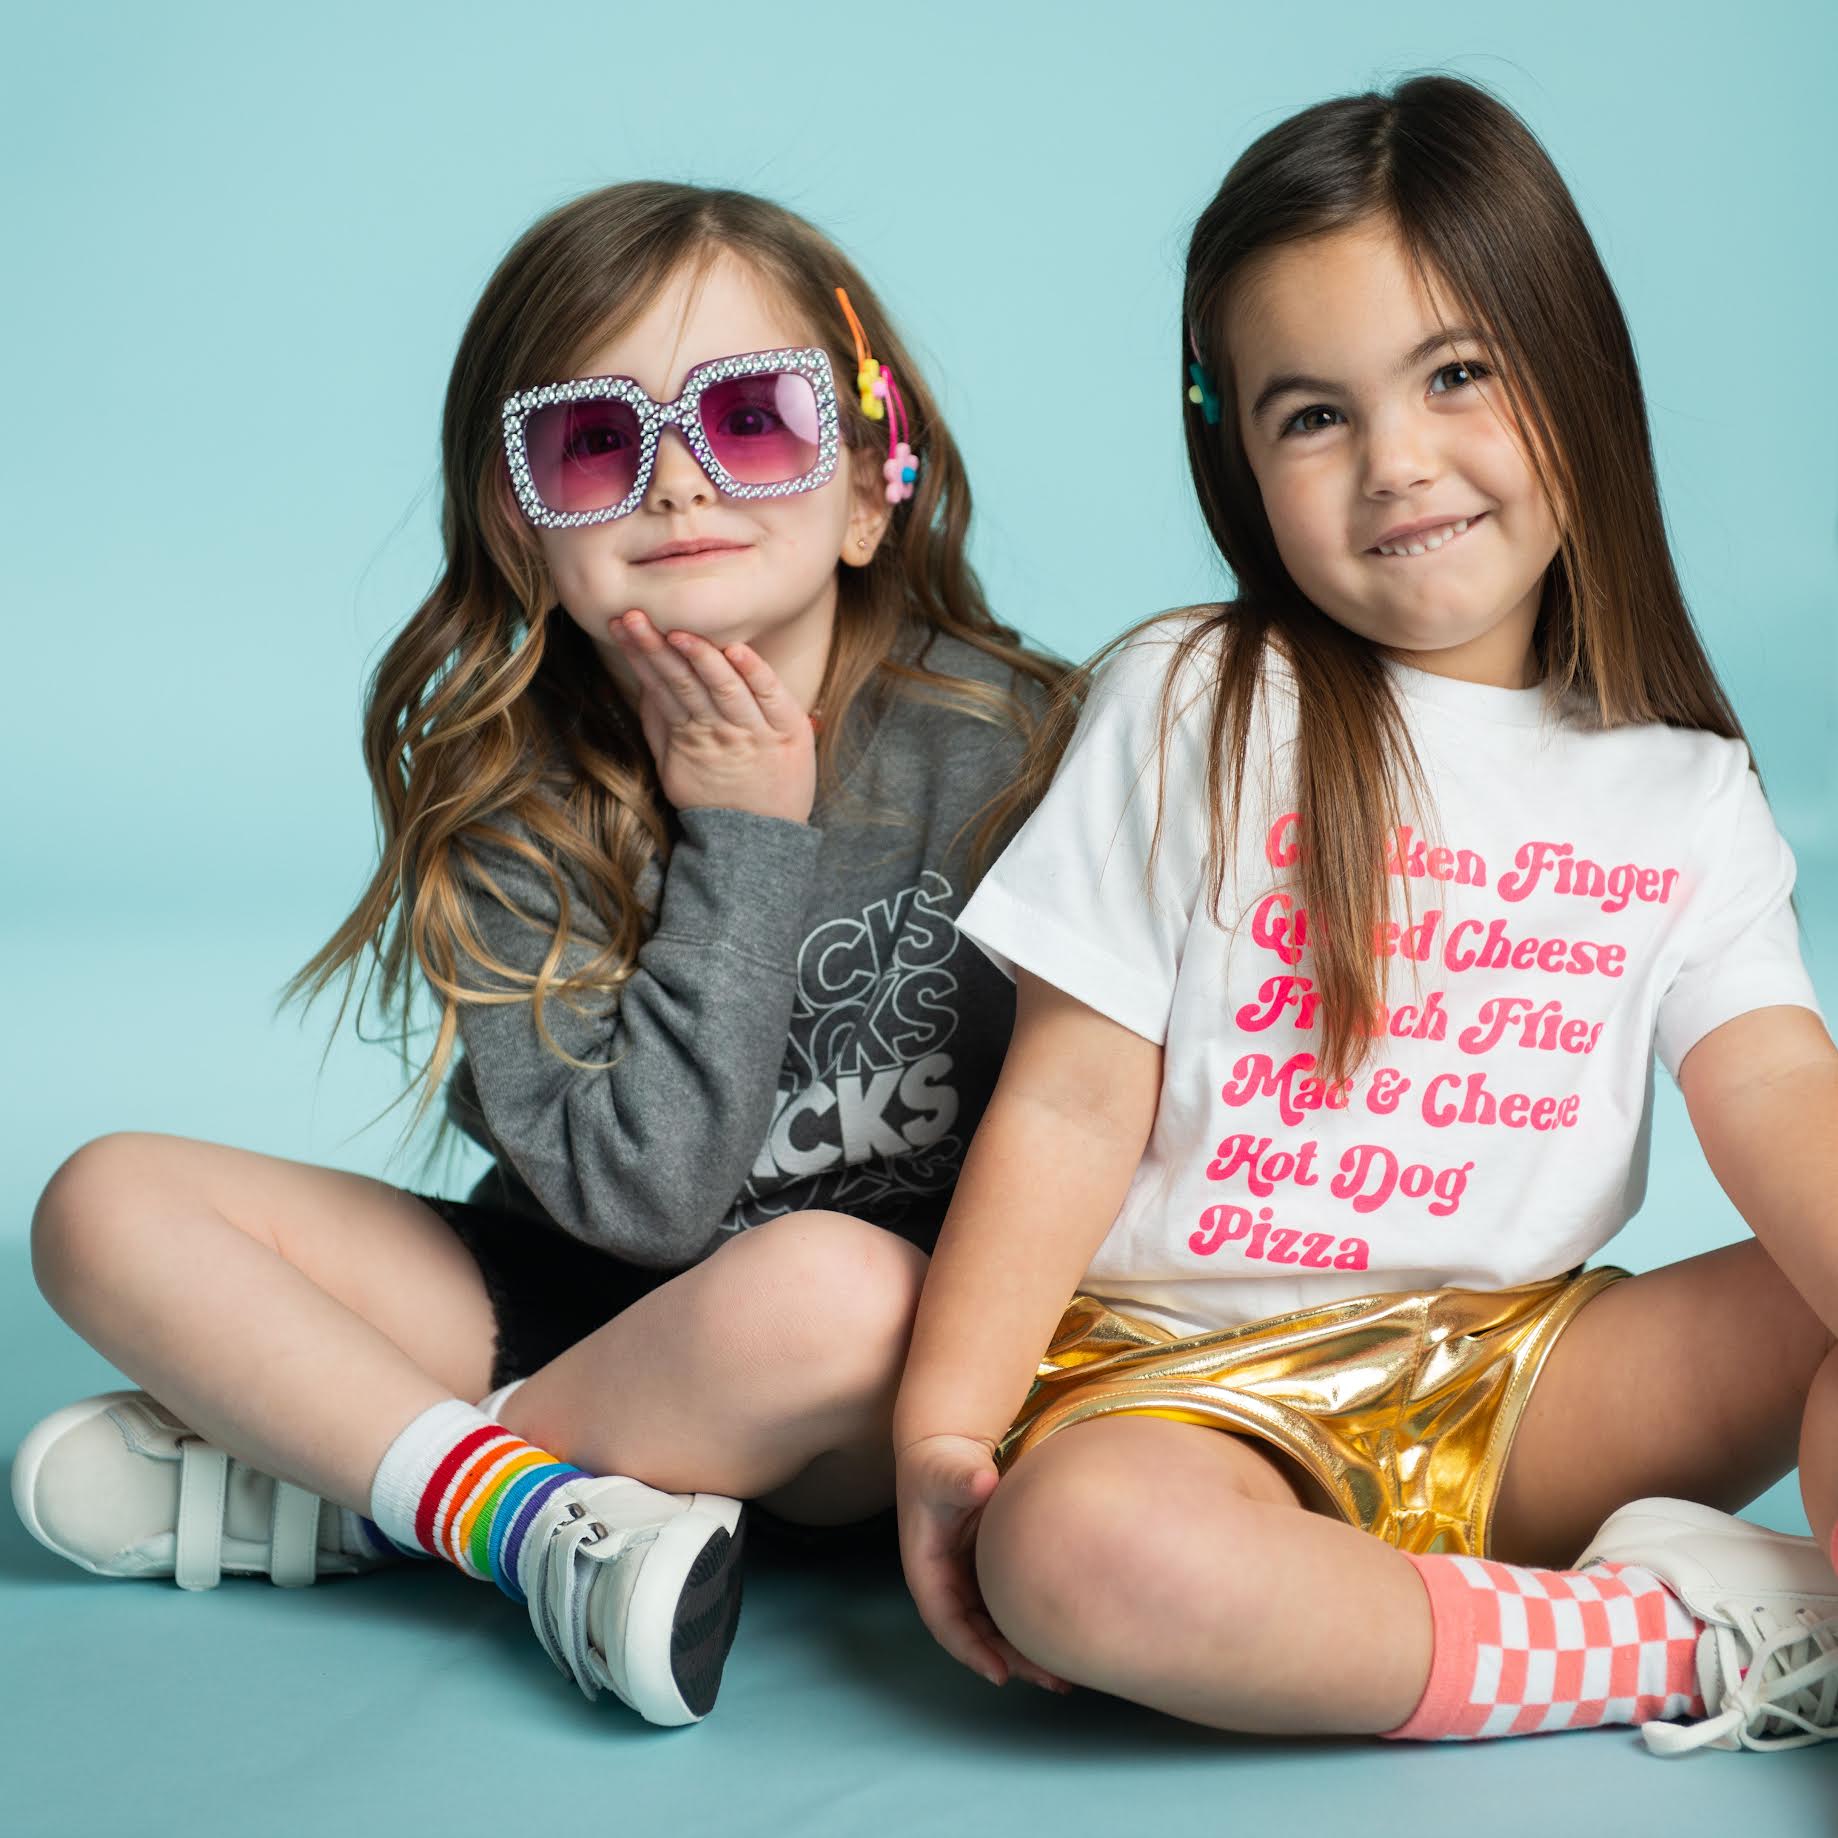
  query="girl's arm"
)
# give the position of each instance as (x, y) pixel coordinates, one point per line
(1041, 1185)
(642, 1153)
(1762, 1091)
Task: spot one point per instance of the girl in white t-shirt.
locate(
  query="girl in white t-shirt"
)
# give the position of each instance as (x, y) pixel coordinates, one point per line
(1344, 939)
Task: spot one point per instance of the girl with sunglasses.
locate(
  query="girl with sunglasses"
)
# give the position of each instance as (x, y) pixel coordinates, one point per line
(1345, 939)
(679, 770)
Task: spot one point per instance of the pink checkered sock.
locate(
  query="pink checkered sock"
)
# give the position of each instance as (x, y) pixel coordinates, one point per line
(1516, 1651)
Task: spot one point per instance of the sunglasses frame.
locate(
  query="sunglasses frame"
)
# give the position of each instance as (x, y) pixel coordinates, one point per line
(684, 414)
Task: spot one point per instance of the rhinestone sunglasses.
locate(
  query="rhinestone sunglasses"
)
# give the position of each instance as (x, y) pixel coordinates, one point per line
(761, 425)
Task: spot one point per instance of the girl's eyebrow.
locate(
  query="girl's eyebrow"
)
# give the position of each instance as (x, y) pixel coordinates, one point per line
(1294, 382)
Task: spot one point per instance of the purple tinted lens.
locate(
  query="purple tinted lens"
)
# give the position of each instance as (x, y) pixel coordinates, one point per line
(763, 429)
(583, 455)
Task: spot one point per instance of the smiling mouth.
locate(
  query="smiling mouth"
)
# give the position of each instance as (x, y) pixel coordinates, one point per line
(1426, 542)
(690, 552)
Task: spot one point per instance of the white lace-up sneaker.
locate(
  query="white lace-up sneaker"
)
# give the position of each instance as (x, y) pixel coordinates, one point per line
(1768, 1657)
(119, 1485)
(636, 1592)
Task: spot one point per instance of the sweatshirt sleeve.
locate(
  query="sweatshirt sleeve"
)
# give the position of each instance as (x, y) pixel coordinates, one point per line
(642, 1155)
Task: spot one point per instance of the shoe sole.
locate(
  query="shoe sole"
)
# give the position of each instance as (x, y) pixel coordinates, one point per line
(681, 1620)
(30, 1458)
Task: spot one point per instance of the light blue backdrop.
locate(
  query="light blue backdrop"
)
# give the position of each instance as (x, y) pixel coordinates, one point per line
(239, 246)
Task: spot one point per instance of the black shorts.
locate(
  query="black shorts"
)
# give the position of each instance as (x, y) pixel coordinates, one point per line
(547, 1290)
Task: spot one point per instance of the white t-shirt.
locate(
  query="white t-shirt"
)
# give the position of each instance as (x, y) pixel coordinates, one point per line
(1586, 896)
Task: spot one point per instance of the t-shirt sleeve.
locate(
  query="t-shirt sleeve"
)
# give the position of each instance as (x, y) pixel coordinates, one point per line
(1075, 899)
(1742, 948)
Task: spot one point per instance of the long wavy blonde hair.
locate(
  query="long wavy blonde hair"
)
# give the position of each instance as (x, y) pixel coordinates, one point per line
(490, 722)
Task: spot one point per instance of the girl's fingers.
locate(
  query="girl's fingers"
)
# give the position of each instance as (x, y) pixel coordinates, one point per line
(644, 642)
(774, 701)
(954, 1627)
(672, 663)
(989, 1641)
(730, 692)
(653, 688)
(1021, 1666)
(651, 681)
(655, 724)
(943, 1585)
(966, 1632)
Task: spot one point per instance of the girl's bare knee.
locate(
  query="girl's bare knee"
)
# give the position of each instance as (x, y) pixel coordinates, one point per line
(1073, 1538)
(1040, 1548)
(85, 1206)
(826, 1292)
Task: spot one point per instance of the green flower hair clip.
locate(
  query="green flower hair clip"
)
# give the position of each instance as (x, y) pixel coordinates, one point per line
(1201, 390)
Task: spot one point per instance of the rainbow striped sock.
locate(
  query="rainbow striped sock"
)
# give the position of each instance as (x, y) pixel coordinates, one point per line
(458, 1486)
(362, 1537)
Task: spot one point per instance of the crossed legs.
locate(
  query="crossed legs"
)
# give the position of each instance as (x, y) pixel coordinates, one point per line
(1184, 1569)
(299, 1317)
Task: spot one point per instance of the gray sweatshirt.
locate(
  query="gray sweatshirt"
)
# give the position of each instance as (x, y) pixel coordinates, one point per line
(805, 1027)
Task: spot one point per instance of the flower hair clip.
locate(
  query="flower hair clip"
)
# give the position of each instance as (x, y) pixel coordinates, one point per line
(870, 383)
(901, 468)
(1202, 392)
(882, 401)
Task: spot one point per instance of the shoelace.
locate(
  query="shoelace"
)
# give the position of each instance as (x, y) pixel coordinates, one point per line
(561, 1626)
(1792, 1678)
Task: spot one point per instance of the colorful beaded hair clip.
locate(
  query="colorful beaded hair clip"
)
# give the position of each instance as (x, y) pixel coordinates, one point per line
(881, 400)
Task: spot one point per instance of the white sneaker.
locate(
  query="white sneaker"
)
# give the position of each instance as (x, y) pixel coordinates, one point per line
(1768, 1657)
(636, 1591)
(119, 1485)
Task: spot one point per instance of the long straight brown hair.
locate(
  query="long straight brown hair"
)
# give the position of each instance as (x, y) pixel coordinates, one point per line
(1478, 207)
(490, 721)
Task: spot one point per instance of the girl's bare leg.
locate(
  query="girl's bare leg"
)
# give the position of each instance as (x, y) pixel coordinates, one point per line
(1701, 1381)
(767, 1371)
(299, 1317)
(296, 1316)
(1181, 1568)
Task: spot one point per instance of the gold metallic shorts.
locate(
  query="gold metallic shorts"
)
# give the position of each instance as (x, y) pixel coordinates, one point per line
(1401, 1406)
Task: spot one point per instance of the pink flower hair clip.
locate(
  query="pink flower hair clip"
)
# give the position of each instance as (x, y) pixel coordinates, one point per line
(881, 400)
